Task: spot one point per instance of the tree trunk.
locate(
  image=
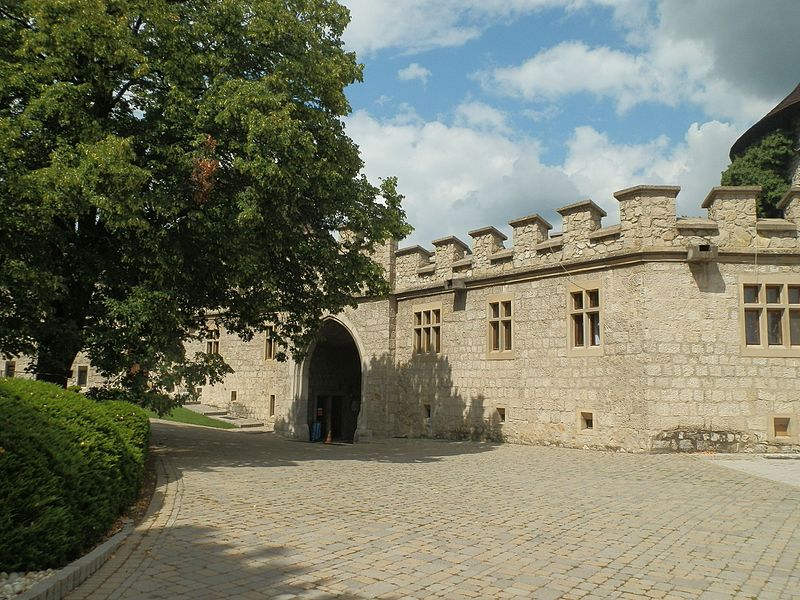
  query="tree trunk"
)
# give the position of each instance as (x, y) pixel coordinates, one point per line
(59, 342)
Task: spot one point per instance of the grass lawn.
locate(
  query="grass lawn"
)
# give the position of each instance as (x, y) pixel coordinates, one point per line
(184, 415)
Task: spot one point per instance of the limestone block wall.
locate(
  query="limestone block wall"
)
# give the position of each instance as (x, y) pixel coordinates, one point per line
(16, 367)
(544, 387)
(697, 377)
(672, 374)
(372, 324)
(94, 379)
(253, 381)
(19, 365)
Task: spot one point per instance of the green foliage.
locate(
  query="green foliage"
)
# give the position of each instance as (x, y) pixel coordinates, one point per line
(161, 162)
(765, 163)
(68, 467)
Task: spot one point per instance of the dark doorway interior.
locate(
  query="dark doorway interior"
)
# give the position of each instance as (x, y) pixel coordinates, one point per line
(334, 385)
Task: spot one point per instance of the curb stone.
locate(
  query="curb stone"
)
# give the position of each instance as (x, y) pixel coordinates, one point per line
(124, 567)
(63, 581)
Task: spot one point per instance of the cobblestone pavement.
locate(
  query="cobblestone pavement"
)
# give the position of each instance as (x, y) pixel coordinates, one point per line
(241, 515)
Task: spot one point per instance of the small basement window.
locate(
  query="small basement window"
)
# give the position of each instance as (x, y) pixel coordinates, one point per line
(83, 376)
(501, 413)
(781, 426)
(587, 420)
(233, 396)
(427, 410)
(272, 405)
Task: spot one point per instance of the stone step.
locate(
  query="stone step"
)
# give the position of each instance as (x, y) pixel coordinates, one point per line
(240, 421)
(206, 409)
(221, 414)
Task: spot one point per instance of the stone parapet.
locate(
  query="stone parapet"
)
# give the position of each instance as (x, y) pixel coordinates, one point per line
(734, 209)
(790, 204)
(648, 222)
(407, 263)
(529, 232)
(486, 242)
(580, 219)
(647, 215)
(448, 250)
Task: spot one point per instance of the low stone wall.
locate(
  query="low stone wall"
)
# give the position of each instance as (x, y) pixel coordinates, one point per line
(683, 440)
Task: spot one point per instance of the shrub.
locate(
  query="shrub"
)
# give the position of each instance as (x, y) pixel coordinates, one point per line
(68, 467)
(765, 163)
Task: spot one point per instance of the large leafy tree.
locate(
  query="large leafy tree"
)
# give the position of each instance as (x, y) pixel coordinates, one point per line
(165, 160)
(765, 163)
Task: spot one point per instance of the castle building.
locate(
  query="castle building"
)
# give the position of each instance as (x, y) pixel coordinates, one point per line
(658, 333)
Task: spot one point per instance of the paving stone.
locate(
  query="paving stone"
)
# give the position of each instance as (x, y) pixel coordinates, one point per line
(261, 517)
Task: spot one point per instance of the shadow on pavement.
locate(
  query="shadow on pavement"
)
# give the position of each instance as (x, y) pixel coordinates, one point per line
(191, 561)
(199, 447)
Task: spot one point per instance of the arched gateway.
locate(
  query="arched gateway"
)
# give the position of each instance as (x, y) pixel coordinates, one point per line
(333, 384)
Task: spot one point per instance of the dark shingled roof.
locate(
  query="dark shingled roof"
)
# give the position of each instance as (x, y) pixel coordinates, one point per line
(780, 116)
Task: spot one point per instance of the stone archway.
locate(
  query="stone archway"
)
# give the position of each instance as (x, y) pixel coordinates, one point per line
(334, 384)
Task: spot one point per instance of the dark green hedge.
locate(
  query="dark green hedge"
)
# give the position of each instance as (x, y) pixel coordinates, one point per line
(68, 467)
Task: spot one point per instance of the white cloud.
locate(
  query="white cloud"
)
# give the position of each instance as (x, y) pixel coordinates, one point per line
(419, 25)
(458, 177)
(599, 167)
(478, 115)
(414, 71)
(455, 177)
(730, 57)
(573, 67)
(667, 73)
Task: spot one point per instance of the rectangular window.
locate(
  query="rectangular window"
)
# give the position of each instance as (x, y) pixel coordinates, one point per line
(233, 396)
(781, 426)
(584, 308)
(272, 405)
(83, 376)
(770, 318)
(10, 369)
(428, 329)
(500, 319)
(269, 344)
(212, 342)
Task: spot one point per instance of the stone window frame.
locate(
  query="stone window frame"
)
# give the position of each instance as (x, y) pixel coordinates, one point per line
(582, 421)
(500, 327)
(583, 313)
(791, 435)
(763, 307)
(83, 373)
(212, 341)
(10, 369)
(269, 343)
(426, 329)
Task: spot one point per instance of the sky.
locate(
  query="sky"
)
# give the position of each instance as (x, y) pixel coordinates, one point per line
(489, 110)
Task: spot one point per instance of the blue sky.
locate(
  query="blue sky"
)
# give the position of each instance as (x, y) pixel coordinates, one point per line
(488, 110)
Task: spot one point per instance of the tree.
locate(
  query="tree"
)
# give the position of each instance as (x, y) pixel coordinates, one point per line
(162, 161)
(765, 163)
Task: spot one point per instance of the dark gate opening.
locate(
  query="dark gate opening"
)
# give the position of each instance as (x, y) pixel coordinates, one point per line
(334, 385)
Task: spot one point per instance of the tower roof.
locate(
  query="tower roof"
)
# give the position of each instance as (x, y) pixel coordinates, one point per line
(780, 116)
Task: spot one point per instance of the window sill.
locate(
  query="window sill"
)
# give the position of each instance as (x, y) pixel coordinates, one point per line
(593, 351)
(774, 352)
(501, 355)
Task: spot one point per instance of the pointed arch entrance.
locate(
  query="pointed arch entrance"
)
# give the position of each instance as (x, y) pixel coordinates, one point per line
(334, 384)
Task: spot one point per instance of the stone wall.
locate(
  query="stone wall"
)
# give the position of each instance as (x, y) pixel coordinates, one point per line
(671, 373)
(254, 379)
(542, 389)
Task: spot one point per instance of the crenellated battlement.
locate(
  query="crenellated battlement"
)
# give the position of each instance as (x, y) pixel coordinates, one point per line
(647, 222)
